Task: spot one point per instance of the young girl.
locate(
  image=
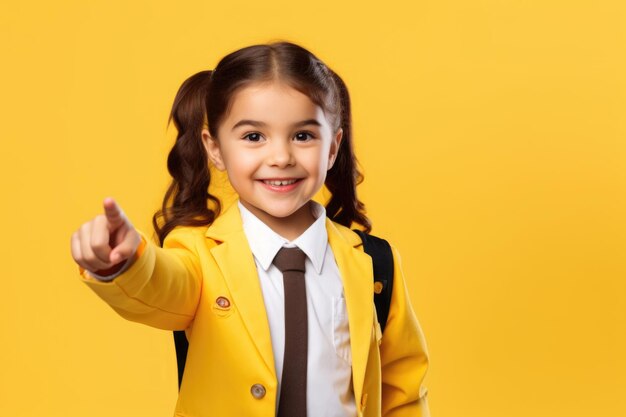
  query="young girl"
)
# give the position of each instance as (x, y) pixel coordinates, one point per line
(277, 120)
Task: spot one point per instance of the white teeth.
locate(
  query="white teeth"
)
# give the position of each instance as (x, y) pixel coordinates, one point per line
(276, 183)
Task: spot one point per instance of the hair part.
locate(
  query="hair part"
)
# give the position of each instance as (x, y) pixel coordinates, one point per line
(206, 98)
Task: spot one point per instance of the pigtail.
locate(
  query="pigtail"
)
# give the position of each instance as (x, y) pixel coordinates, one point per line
(344, 206)
(186, 200)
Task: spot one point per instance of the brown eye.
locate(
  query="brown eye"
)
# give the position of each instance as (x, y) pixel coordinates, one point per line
(303, 136)
(253, 137)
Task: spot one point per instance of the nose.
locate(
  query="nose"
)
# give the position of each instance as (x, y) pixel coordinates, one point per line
(281, 154)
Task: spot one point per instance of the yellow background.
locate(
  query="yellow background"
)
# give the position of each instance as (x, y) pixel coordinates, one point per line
(492, 135)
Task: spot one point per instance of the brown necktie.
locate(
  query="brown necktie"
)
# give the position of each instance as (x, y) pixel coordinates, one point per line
(290, 261)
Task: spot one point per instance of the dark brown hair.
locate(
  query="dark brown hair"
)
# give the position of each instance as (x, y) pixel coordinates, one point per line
(208, 94)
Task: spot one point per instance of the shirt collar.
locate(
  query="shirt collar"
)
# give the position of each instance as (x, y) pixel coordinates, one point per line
(265, 243)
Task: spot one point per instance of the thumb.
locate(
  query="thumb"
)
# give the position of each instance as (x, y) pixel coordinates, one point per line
(126, 248)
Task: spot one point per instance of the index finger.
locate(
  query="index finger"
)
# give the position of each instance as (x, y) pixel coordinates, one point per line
(113, 212)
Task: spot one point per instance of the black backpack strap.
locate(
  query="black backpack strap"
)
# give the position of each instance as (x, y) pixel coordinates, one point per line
(382, 259)
(181, 344)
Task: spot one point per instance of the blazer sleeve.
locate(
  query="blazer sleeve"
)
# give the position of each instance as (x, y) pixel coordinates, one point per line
(162, 287)
(403, 354)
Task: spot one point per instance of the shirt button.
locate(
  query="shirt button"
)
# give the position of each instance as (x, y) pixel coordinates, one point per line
(258, 391)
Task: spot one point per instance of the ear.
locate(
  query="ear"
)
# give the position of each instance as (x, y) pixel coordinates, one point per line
(213, 150)
(334, 147)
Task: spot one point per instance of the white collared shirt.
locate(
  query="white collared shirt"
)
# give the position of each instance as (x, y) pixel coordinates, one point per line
(329, 363)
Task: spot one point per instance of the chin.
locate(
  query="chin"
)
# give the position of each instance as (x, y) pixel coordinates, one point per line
(280, 212)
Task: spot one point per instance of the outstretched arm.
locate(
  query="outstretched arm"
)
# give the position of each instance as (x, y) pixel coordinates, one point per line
(159, 287)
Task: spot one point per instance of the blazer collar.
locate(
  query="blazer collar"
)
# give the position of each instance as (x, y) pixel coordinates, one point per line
(226, 224)
(229, 222)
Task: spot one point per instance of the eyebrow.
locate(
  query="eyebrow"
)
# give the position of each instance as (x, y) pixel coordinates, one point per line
(257, 123)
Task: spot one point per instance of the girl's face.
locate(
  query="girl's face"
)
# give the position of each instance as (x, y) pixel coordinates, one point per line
(276, 146)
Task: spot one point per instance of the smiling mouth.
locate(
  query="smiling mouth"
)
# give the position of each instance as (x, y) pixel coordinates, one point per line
(277, 183)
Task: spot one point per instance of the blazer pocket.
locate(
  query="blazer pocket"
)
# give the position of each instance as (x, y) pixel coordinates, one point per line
(341, 329)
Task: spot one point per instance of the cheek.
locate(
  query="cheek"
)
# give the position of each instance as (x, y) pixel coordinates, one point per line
(317, 163)
(244, 162)
(323, 159)
(241, 162)
(241, 169)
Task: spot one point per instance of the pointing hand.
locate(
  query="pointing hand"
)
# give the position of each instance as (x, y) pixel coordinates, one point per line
(104, 243)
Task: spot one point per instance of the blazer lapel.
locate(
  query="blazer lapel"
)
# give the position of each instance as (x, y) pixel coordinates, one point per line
(236, 262)
(355, 267)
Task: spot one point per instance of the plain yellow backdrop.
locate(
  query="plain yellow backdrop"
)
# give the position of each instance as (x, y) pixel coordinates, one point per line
(492, 135)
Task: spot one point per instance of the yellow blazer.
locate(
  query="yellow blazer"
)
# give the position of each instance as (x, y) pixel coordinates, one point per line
(230, 365)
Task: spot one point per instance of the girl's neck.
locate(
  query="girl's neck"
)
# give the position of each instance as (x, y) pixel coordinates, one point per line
(290, 227)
